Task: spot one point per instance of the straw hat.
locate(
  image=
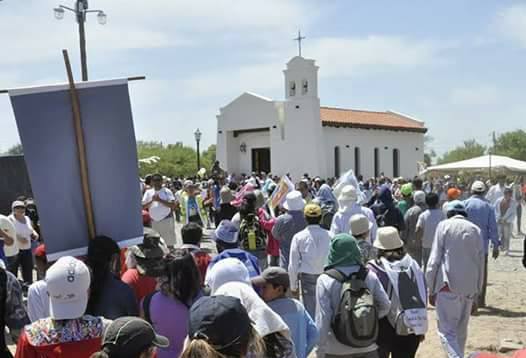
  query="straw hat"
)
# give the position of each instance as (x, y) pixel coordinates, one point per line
(387, 238)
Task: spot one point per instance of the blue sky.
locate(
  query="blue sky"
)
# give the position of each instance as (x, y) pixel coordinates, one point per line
(457, 65)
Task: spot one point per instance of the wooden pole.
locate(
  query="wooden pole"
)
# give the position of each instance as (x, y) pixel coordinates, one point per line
(81, 148)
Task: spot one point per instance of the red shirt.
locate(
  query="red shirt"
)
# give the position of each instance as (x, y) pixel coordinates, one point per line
(142, 285)
(47, 338)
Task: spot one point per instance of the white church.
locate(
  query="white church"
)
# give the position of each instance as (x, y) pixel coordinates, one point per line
(298, 135)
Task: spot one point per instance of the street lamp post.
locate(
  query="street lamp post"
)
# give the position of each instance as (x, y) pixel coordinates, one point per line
(197, 136)
(80, 11)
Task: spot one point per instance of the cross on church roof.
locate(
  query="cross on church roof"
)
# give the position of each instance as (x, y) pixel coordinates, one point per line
(299, 39)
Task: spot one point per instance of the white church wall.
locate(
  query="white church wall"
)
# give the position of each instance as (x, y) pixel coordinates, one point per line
(252, 141)
(248, 111)
(367, 140)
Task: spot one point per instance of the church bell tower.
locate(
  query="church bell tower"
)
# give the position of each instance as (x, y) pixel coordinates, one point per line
(304, 139)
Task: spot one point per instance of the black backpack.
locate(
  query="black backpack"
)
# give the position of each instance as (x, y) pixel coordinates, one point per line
(355, 322)
(251, 235)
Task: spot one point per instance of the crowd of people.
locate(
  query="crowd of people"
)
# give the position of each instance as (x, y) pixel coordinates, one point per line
(336, 269)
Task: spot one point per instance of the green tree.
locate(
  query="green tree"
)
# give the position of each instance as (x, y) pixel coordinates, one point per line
(208, 157)
(511, 144)
(17, 149)
(469, 149)
(429, 152)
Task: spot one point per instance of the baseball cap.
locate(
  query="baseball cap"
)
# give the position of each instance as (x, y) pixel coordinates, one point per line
(226, 232)
(359, 224)
(273, 275)
(312, 210)
(129, 336)
(222, 321)
(18, 204)
(68, 281)
(456, 205)
(478, 187)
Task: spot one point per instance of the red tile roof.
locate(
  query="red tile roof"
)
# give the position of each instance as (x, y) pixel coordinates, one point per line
(340, 117)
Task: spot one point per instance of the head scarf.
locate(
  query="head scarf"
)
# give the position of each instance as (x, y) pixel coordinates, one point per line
(266, 321)
(385, 195)
(343, 252)
(226, 270)
(326, 196)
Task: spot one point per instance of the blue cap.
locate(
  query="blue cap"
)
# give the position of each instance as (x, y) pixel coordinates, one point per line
(226, 232)
(456, 205)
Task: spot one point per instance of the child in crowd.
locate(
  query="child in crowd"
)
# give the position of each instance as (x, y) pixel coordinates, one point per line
(192, 234)
(227, 243)
(274, 283)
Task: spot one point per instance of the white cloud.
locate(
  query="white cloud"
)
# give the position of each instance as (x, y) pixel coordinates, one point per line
(337, 57)
(349, 56)
(482, 95)
(511, 22)
(143, 25)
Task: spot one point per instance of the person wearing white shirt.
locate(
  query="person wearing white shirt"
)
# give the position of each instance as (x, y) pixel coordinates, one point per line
(7, 235)
(505, 212)
(496, 191)
(160, 202)
(455, 276)
(21, 256)
(308, 252)
(349, 206)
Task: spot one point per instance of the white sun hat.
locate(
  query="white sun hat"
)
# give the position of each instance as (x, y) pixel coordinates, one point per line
(387, 238)
(294, 201)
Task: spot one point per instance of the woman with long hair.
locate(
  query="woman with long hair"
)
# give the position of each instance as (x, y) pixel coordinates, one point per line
(220, 327)
(168, 309)
(130, 337)
(109, 296)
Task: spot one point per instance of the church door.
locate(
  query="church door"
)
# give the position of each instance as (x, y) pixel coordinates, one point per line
(261, 160)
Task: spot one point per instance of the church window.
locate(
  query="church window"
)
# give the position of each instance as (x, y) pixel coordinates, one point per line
(396, 163)
(305, 87)
(292, 88)
(376, 163)
(336, 161)
(357, 168)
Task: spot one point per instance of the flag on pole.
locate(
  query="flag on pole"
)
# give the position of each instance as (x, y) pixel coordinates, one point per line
(282, 189)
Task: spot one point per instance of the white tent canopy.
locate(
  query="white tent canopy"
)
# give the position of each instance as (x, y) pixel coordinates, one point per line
(480, 165)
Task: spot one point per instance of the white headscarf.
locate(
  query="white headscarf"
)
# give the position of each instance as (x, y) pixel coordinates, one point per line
(266, 321)
(226, 270)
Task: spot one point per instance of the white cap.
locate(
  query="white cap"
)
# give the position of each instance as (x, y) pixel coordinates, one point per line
(18, 204)
(68, 281)
(478, 187)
